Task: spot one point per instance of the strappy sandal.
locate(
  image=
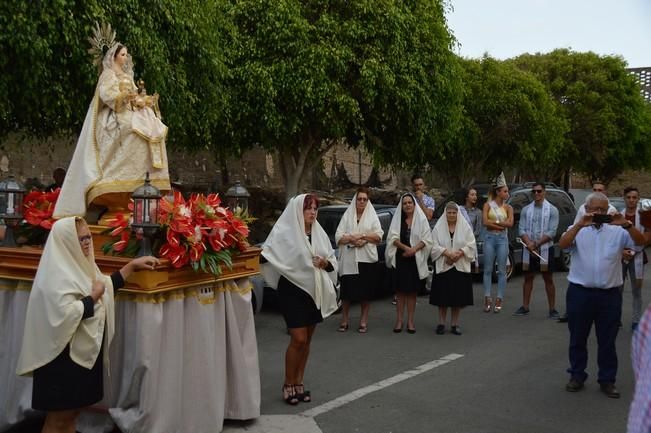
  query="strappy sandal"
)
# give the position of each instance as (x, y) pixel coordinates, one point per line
(363, 329)
(343, 327)
(289, 395)
(498, 305)
(487, 304)
(302, 394)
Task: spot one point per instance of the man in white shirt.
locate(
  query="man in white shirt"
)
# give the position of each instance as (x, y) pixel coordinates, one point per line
(594, 295)
(597, 186)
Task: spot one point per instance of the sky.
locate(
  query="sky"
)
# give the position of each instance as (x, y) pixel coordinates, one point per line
(507, 28)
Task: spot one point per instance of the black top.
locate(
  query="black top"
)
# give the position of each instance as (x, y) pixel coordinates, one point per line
(405, 233)
(89, 311)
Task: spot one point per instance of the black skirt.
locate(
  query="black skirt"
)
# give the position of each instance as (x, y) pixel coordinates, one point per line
(63, 384)
(405, 277)
(451, 288)
(297, 306)
(360, 287)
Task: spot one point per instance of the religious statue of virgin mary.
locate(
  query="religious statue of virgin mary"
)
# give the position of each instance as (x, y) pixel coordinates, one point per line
(122, 138)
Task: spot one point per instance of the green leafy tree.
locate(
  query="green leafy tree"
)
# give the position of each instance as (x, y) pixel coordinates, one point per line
(509, 120)
(47, 79)
(602, 104)
(305, 75)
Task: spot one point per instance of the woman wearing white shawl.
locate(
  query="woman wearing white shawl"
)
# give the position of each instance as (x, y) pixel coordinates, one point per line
(408, 245)
(453, 251)
(299, 261)
(69, 324)
(357, 235)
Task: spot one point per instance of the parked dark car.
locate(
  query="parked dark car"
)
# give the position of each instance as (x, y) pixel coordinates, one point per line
(329, 217)
(520, 196)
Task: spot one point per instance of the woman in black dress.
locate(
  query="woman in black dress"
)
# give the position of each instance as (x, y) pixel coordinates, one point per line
(69, 324)
(408, 244)
(453, 252)
(357, 235)
(300, 263)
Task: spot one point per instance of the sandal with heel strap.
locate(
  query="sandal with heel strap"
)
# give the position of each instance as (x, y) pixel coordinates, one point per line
(302, 394)
(498, 305)
(289, 395)
(488, 303)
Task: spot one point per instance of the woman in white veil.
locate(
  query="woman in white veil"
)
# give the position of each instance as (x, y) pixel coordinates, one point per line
(357, 235)
(121, 140)
(69, 324)
(453, 251)
(408, 245)
(299, 262)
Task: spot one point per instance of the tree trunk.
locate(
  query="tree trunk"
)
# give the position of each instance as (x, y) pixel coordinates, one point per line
(296, 163)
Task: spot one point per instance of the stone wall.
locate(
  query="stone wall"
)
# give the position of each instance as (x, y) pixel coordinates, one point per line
(33, 161)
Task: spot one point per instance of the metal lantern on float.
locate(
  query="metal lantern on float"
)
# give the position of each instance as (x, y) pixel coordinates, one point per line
(237, 197)
(145, 214)
(12, 193)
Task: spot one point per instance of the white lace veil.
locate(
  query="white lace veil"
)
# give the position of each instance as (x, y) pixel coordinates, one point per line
(109, 57)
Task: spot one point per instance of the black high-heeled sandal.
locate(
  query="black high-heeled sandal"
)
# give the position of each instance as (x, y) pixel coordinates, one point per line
(302, 394)
(289, 395)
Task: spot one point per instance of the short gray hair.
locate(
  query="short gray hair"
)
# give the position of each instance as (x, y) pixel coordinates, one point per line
(594, 196)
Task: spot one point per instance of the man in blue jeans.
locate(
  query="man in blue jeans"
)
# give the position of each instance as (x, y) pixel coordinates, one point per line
(594, 295)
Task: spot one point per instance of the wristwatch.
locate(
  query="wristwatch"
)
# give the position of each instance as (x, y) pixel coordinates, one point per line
(627, 226)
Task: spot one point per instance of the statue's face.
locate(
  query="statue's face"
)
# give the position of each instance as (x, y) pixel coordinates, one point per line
(121, 57)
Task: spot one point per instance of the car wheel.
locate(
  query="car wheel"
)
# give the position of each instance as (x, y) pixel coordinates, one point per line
(510, 266)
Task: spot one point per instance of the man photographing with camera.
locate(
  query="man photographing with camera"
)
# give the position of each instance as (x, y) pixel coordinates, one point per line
(596, 242)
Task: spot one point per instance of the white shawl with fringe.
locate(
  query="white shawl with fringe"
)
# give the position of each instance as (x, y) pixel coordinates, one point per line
(289, 253)
(350, 255)
(463, 240)
(420, 231)
(54, 310)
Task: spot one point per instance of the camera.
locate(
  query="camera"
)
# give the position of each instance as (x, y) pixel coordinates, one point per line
(602, 218)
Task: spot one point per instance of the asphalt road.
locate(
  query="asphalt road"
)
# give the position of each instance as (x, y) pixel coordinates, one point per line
(504, 374)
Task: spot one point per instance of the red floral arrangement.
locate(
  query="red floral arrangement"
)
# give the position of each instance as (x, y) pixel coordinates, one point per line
(126, 244)
(38, 208)
(201, 232)
(198, 231)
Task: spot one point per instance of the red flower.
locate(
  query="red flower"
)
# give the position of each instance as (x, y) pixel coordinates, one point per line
(178, 256)
(38, 208)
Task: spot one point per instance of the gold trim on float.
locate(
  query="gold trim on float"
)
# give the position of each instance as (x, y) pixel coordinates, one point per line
(17, 286)
(20, 265)
(205, 295)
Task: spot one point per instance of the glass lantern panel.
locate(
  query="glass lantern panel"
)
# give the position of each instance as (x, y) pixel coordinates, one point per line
(153, 210)
(18, 202)
(3, 202)
(137, 211)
